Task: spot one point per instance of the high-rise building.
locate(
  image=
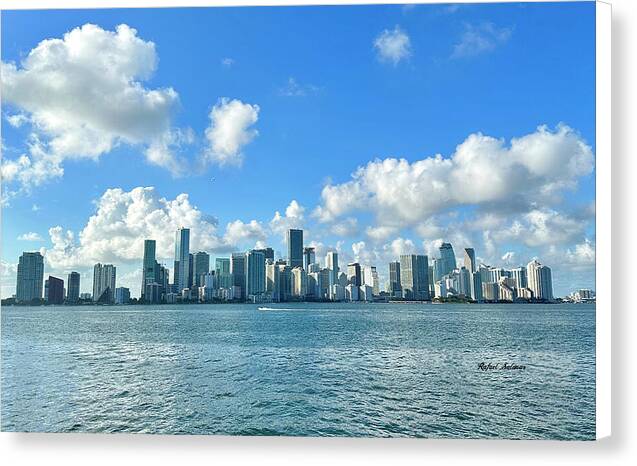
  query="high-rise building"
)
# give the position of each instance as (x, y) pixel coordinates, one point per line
(285, 281)
(148, 265)
(255, 274)
(470, 259)
(104, 283)
(122, 294)
(370, 278)
(540, 280)
(30, 277)
(448, 258)
(299, 282)
(295, 248)
(201, 267)
(476, 286)
(267, 252)
(191, 271)
(354, 274)
(55, 293)
(395, 289)
(222, 270)
(182, 259)
(238, 271)
(414, 276)
(519, 275)
(309, 257)
(73, 287)
(331, 263)
(464, 282)
(272, 280)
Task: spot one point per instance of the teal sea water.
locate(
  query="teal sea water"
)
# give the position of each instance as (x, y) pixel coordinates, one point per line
(302, 369)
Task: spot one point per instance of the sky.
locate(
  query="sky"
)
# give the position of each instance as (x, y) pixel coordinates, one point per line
(380, 130)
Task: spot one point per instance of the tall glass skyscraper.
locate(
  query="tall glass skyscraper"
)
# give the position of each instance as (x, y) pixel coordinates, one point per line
(309, 257)
(394, 288)
(255, 273)
(295, 248)
(148, 271)
(414, 276)
(238, 271)
(73, 287)
(30, 277)
(182, 258)
(448, 258)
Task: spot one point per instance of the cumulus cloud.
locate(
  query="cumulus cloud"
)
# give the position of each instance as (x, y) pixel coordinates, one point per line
(123, 219)
(238, 232)
(30, 236)
(345, 227)
(483, 172)
(541, 227)
(479, 39)
(230, 130)
(393, 46)
(293, 217)
(83, 95)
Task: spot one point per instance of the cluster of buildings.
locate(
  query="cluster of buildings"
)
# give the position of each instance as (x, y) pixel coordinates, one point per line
(255, 276)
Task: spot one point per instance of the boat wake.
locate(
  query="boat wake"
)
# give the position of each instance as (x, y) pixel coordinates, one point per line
(263, 308)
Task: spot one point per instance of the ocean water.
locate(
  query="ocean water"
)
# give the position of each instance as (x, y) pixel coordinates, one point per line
(381, 370)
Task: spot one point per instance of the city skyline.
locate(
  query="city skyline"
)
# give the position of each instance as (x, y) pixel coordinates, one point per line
(347, 156)
(255, 276)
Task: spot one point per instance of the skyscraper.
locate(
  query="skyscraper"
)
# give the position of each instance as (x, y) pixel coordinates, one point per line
(414, 276)
(519, 275)
(254, 273)
(394, 288)
(540, 280)
(73, 287)
(222, 270)
(309, 257)
(354, 274)
(30, 276)
(295, 248)
(104, 283)
(201, 267)
(182, 258)
(448, 258)
(268, 253)
(148, 265)
(56, 290)
(470, 259)
(331, 263)
(238, 271)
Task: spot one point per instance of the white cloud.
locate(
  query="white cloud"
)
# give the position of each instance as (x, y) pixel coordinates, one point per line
(345, 227)
(393, 46)
(83, 95)
(294, 89)
(541, 227)
(230, 130)
(30, 236)
(238, 232)
(17, 120)
(581, 255)
(380, 233)
(480, 39)
(115, 233)
(227, 62)
(293, 218)
(483, 172)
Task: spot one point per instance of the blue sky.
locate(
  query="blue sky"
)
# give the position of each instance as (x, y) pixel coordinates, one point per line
(311, 94)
